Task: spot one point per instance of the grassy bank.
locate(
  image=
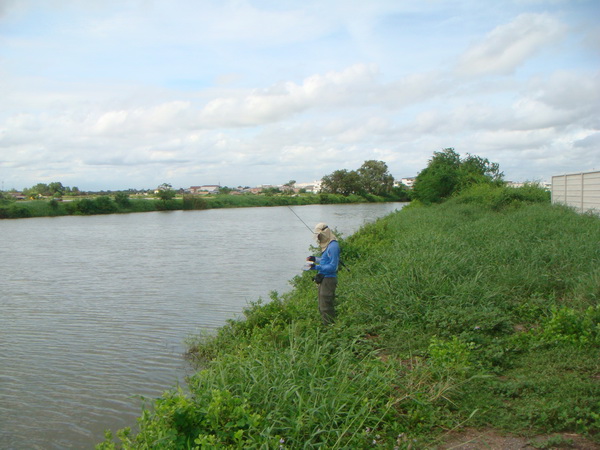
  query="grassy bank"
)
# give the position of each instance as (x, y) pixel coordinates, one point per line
(480, 312)
(110, 205)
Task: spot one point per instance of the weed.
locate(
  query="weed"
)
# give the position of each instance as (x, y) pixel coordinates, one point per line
(453, 355)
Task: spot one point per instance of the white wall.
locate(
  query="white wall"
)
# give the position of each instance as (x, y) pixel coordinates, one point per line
(578, 190)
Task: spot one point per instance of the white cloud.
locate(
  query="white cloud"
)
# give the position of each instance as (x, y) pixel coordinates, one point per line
(283, 100)
(509, 46)
(163, 117)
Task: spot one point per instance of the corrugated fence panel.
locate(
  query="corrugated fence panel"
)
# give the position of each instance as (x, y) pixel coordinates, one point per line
(578, 190)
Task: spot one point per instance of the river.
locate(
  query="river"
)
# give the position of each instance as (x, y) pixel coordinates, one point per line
(95, 309)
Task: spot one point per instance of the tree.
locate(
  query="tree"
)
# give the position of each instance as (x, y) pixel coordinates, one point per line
(39, 190)
(401, 193)
(289, 186)
(56, 189)
(375, 178)
(371, 178)
(165, 192)
(439, 179)
(341, 182)
(6, 198)
(270, 190)
(446, 174)
(475, 169)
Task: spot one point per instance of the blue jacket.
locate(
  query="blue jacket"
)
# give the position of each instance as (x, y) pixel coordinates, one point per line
(329, 260)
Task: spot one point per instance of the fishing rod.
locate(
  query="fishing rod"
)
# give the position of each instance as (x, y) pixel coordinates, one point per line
(300, 219)
(309, 229)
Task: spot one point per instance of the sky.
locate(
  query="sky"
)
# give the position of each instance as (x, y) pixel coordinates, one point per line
(120, 94)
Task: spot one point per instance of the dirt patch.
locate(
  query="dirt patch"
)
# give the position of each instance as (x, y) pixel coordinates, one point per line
(471, 439)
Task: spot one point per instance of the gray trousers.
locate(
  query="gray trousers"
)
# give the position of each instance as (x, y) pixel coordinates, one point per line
(327, 299)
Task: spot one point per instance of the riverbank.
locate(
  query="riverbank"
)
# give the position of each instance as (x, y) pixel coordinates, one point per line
(122, 205)
(478, 313)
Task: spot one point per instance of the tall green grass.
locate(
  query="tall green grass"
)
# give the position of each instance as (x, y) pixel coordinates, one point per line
(469, 313)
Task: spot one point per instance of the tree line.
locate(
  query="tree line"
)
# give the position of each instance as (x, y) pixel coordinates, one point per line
(446, 174)
(54, 189)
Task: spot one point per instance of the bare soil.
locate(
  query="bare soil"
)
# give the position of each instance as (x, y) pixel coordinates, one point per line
(471, 439)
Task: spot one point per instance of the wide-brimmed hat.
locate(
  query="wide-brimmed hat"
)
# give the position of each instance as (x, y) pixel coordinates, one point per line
(324, 235)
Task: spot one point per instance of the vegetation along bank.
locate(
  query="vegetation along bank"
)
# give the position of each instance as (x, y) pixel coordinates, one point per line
(372, 182)
(481, 312)
(106, 204)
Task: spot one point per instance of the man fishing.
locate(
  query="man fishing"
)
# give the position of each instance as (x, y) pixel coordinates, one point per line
(326, 267)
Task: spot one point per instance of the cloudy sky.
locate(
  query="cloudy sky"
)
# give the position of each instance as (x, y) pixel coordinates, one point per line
(117, 94)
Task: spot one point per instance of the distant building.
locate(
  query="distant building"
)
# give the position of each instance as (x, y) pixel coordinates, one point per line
(314, 187)
(408, 182)
(205, 189)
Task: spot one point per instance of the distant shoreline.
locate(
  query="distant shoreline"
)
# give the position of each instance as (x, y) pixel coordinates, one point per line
(106, 204)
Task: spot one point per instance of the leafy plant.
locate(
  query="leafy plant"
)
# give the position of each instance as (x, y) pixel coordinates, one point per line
(571, 326)
(451, 355)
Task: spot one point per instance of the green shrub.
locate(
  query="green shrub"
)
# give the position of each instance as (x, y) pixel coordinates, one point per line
(213, 419)
(16, 211)
(570, 326)
(500, 197)
(194, 203)
(141, 205)
(168, 205)
(122, 199)
(104, 205)
(98, 205)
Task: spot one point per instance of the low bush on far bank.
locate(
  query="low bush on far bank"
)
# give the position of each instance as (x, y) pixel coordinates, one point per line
(480, 312)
